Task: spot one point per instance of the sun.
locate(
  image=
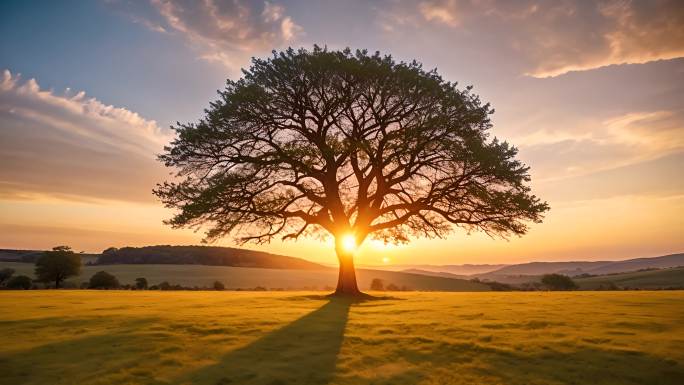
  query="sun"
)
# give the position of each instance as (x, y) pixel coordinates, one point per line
(385, 260)
(349, 242)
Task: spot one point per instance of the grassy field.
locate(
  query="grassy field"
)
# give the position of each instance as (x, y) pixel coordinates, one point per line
(247, 277)
(118, 337)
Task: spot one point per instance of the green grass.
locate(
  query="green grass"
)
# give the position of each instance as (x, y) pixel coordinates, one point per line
(119, 337)
(653, 279)
(247, 277)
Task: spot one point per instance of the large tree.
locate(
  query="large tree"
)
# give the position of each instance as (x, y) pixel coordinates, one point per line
(58, 265)
(346, 144)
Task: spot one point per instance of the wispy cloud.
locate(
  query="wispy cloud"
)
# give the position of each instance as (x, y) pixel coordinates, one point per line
(596, 146)
(554, 38)
(72, 146)
(229, 32)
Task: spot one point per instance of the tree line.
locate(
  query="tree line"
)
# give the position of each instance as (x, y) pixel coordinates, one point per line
(61, 263)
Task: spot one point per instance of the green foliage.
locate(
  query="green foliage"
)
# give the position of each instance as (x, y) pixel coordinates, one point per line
(558, 282)
(19, 282)
(57, 265)
(5, 275)
(141, 283)
(103, 280)
(332, 142)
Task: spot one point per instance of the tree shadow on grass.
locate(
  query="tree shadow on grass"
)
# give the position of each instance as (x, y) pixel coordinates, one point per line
(80, 356)
(583, 365)
(303, 352)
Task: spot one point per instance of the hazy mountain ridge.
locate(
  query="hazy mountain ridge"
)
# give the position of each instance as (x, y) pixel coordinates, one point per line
(532, 271)
(460, 270)
(576, 268)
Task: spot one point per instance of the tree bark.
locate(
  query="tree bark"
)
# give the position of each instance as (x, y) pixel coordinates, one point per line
(346, 281)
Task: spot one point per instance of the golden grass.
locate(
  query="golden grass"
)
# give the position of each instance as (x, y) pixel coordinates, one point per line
(117, 337)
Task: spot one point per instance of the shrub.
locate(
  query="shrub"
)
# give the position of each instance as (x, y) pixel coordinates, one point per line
(141, 283)
(19, 282)
(393, 287)
(165, 286)
(219, 286)
(377, 284)
(5, 275)
(558, 282)
(103, 280)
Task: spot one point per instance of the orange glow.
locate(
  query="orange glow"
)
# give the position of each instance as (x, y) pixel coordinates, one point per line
(349, 243)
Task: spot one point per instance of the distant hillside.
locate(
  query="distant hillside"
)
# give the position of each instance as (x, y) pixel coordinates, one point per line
(588, 267)
(666, 261)
(436, 273)
(652, 279)
(30, 256)
(19, 255)
(203, 255)
(249, 278)
(461, 270)
(539, 268)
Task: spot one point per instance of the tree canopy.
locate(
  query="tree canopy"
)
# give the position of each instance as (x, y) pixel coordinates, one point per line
(340, 142)
(103, 280)
(558, 282)
(58, 265)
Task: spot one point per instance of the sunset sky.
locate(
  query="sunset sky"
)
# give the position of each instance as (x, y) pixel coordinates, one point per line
(592, 93)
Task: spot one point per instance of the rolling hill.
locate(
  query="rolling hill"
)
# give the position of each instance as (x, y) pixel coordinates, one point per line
(249, 277)
(460, 270)
(670, 278)
(666, 261)
(589, 267)
(203, 255)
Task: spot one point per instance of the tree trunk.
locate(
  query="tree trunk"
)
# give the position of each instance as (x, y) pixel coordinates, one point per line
(57, 283)
(346, 281)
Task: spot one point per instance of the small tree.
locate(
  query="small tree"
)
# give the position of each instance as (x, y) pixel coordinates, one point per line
(141, 283)
(377, 284)
(558, 282)
(103, 280)
(5, 275)
(219, 285)
(19, 282)
(350, 145)
(58, 265)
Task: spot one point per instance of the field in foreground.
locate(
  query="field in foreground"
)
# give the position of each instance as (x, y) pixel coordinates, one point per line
(120, 337)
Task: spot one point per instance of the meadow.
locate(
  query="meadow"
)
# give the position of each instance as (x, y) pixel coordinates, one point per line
(248, 277)
(151, 337)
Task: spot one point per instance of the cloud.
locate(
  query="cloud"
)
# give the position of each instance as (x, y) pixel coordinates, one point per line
(595, 146)
(229, 32)
(554, 38)
(73, 146)
(442, 12)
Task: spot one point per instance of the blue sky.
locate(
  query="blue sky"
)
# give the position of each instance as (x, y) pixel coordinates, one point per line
(591, 93)
(90, 45)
